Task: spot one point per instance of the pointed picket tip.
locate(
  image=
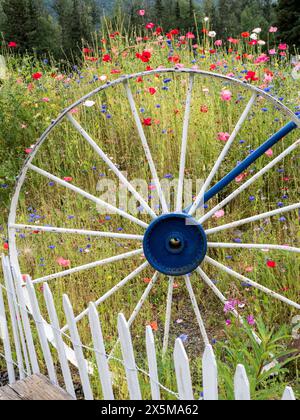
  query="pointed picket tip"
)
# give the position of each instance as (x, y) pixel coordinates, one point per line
(183, 374)
(241, 384)
(149, 335)
(210, 375)
(288, 394)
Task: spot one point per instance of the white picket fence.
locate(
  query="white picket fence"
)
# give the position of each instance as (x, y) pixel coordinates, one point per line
(22, 321)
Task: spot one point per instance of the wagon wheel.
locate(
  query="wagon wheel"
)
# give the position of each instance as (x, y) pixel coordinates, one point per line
(173, 243)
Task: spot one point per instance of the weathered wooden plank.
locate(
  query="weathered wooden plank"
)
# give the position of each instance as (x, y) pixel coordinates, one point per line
(33, 388)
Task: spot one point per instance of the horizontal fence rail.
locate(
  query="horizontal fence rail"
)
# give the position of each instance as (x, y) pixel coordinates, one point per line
(28, 339)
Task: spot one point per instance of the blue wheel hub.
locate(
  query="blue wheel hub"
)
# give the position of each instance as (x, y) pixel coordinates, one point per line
(175, 244)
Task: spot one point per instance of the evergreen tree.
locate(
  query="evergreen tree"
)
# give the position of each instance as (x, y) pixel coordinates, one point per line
(16, 18)
(288, 20)
(159, 11)
(29, 25)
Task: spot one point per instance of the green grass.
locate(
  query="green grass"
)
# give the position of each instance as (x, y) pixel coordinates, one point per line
(24, 115)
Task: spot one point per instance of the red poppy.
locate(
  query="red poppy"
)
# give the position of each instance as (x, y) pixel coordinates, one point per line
(152, 91)
(139, 79)
(174, 59)
(204, 109)
(106, 58)
(68, 179)
(144, 57)
(147, 122)
(5, 246)
(154, 326)
(251, 75)
(87, 50)
(213, 67)
(271, 264)
(116, 71)
(37, 76)
(158, 31)
(245, 34)
(12, 44)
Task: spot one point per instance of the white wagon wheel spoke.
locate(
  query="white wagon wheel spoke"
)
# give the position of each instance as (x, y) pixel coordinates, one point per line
(52, 229)
(168, 314)
(253, 219)
(251, 283)
(179, 204)
(224, 153)
(91, 197)
(196, 310)
(223, 299)
(220, 245)
(88, 266)
(111, 292)
(112, 166)
(146, 148)
(250, 181)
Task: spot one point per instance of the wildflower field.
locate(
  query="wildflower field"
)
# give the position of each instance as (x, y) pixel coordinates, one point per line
(32, 94)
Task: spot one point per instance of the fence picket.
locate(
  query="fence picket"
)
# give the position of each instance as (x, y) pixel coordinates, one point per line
(36, 313)
(288, 394)
(18, 312)
(183, 374)
(152, 363)
(77, 345)
(26, 324)
(100, 353)
(60, 346)
(210, 375)
(15, 321)
(6, 341)
(241, 384)
(129, 359)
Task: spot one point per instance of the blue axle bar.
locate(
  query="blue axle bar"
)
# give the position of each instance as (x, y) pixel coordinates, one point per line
(241, 168)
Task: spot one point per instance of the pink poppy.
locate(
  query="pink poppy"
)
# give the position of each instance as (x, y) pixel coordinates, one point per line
(190, 35)
(223, 136)
(241, 177)
(63, 263)
(150, 25)
(218, 43)
(273, 30)
(283, 47)
(68, 179)
(141, 12)
(270, 153)
(219, 214)
(226, 95)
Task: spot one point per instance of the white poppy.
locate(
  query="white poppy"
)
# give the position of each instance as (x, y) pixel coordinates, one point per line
(212, 34)
(206, 19)
(254, 36)
(89, 104)
(261, 42)
(257, 30)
